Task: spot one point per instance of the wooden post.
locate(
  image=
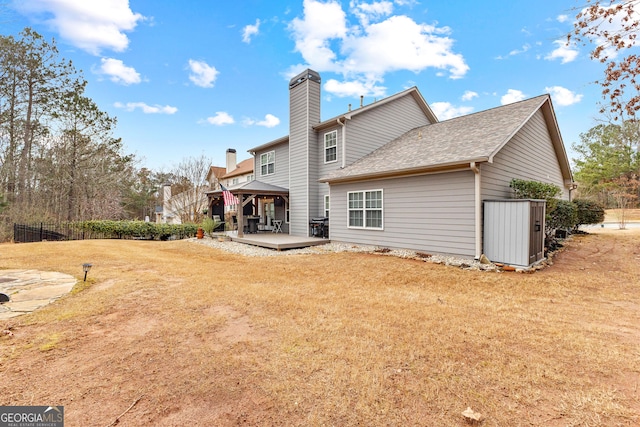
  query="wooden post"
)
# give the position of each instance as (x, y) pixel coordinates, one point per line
(239, 215)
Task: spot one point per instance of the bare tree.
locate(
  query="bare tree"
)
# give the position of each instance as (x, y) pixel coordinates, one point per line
(191, 176)
(612, 26)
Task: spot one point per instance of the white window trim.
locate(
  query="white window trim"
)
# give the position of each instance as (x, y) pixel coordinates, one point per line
(364, 210)
(327, 205)
(268, 163)
(335, 138)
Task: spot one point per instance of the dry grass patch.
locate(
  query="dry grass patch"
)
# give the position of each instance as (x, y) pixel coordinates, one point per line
(210, 338)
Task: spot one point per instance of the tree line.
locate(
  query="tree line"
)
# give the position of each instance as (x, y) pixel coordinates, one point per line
(59, 159)
(608, 169)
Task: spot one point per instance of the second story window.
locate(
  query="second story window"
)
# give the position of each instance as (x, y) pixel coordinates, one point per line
(234, 181)
(331, 146)
(268, 163)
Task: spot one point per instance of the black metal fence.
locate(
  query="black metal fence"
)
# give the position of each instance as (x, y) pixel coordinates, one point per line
(136, 230)
(40, 232)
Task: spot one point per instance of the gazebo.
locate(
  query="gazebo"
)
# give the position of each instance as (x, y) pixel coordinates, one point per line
(249, 194)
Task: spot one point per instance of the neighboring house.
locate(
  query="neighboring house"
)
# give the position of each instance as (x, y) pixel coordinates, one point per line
(389, 174)
(189, 205)
(234, 174)
(237, 173)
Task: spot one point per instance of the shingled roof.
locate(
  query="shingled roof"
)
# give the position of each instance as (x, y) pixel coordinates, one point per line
(472, 138)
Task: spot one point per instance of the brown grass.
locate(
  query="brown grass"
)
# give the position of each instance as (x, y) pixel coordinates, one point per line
(615, 215)
(211, 338)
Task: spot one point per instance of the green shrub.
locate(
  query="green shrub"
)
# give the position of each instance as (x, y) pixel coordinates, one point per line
(523, 189)
(209, 225)
(588, 212)
(564, 216)
(137, 230)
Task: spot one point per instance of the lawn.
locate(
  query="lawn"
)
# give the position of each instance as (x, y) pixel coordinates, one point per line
(176, 333)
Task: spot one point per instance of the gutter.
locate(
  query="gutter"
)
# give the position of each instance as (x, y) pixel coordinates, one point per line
(344, 140)
(478, 208)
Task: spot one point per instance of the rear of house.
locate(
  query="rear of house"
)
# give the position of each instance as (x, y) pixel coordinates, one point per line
(389, 174)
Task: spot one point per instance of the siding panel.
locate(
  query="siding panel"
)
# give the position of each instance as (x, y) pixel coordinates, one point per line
(430, 213)
(529, 155)
(373, 129)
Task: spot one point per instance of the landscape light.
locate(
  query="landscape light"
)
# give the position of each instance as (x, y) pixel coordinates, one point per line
(86, 267)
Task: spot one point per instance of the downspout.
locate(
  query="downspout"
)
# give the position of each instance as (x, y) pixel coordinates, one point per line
(478, 209)
(344, 137)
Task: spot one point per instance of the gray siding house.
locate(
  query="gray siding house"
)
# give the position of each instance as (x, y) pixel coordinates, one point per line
(390, 174)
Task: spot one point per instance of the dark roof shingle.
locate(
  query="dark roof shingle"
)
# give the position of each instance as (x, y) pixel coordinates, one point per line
(474, 137)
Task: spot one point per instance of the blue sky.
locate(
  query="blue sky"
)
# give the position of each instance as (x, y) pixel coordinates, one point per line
(197, 77)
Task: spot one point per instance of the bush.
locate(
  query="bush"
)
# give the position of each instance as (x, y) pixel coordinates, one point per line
(209, 225)
(564, 216)
(137, 230)
(588, 212)
(523, 189)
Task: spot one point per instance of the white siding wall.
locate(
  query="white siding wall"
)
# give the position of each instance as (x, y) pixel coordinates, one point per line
(529, 155)
(429, 213)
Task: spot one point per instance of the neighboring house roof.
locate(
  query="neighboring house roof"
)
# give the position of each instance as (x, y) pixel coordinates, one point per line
(243, 168)
(413, 92)
(215, 171)
(475, 137)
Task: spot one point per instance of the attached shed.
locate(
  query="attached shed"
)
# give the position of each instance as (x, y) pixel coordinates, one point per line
(514, 231)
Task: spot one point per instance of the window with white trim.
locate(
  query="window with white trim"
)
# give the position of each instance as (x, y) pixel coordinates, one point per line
(331, 146)
(365, 209)
(326, 206)
(268, 163)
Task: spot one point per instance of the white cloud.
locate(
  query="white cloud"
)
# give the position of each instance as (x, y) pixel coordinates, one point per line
(147, 109)
(563, 51)
(515, 52)
(269, 121)
(250, 31)
(376, 45)
(118, 72)
(88, 25)
(202, 74)
(399, 43)
(512, 96)
(446, 111)
(368, 11)
(563, 96)
(354, 88)
(469, 95)
(322, 22)
(562, 18)
(220, 119)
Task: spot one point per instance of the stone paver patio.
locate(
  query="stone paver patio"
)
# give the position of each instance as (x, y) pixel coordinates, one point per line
(30, 290)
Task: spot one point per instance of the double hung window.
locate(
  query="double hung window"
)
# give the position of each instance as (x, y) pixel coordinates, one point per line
(365, 209)
(268, 163)
(331, 146)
